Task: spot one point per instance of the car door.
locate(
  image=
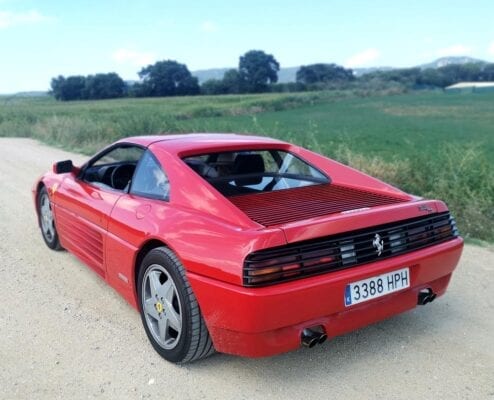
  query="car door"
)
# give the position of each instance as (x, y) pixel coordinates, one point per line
(83, 203)
(137, 216)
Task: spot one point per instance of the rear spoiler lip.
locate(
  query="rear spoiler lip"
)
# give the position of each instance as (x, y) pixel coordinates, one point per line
(357, 219)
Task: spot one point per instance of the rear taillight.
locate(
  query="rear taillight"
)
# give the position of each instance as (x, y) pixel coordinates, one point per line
(333, 253)
(258, 271)
(268, 274)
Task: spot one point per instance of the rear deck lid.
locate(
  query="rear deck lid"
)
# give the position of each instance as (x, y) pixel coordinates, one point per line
(315, 211)
(287, 206)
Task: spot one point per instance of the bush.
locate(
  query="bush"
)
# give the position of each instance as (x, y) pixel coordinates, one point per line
(460, 176)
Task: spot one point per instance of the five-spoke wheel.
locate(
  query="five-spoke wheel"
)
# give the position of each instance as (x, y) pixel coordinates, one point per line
(162, 307)
(169, 310)
(47, 222)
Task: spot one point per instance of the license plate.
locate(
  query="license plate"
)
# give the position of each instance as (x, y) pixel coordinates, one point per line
(377, 286)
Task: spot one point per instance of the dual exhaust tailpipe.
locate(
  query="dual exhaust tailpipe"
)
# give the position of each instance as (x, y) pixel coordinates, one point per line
(426, 296)
(313, 336)
(317, 335)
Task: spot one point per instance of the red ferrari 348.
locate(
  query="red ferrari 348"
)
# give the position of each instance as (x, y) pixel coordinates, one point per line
(245, 245)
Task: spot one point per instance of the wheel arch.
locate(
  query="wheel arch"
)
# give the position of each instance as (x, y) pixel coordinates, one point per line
(38, 188)
(200, 342)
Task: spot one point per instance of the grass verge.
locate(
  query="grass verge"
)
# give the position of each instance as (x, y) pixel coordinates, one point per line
(431, 144)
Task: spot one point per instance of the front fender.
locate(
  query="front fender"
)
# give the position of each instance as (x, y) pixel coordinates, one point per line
(51, 182)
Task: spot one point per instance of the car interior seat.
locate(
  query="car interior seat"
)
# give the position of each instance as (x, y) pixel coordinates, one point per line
(251, 165)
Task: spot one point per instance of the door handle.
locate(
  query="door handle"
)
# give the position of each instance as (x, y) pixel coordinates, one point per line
(141, 211)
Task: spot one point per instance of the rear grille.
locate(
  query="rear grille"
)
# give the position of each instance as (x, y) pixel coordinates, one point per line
(319, 256)
(289, 205)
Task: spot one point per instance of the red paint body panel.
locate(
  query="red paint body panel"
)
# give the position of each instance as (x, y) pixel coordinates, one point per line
(269, 320)
(212, 237)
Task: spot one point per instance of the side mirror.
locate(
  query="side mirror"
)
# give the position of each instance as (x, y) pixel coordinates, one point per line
(63, 167)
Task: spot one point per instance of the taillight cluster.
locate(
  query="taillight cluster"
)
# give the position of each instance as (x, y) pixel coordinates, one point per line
(276, 265)
(317, 256)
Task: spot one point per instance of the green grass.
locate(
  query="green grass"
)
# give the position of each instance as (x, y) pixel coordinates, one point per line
(428, 143)
(383, 126)
(87, 125)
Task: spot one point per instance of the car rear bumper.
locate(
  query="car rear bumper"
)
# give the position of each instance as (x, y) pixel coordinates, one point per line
(258, 322)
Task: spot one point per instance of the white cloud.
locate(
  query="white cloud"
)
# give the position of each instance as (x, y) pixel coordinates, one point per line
(137, 58)
(9, 19)
(208, 26)
(490, 49)
(363, 58)
(454, 50)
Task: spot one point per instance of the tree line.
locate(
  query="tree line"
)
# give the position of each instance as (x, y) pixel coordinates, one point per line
(92, 87)
(417, 78)
(257, 72)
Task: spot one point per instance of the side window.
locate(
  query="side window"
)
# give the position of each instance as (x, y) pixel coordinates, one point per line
(113, 169)
(120, 155)
(150, 180)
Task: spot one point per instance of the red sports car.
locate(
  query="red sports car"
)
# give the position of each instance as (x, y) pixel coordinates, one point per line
(243, 244)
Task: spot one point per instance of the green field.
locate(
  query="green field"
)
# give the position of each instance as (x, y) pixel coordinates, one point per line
(429, 143)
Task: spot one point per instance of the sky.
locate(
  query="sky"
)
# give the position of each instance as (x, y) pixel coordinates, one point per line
(43, 39)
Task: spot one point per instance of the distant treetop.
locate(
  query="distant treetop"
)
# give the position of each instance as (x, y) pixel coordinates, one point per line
(257, 70)
(167, 78)
(316, 73)
(92, 87)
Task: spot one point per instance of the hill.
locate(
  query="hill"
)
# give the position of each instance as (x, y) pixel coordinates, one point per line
(443, 61)
(34, 93)
(213, 73)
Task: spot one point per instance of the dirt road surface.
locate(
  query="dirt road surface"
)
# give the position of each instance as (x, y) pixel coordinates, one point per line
(65, 334)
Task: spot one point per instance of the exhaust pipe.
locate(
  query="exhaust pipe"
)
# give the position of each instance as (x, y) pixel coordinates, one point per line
(311, 336)
(426, 296)
(322, 338)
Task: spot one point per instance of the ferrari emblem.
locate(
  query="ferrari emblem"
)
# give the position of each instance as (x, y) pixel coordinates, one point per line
(159, 307)
(54, 188)
(378, 244)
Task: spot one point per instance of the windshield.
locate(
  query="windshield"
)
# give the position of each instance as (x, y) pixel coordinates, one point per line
(254, 171)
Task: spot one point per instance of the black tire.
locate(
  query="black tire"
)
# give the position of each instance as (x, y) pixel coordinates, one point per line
(50, 236)
(193, 342)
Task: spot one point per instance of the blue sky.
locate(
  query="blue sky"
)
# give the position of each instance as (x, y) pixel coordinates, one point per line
(42, 39)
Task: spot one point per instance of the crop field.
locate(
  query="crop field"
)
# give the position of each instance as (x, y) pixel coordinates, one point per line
(429, 143)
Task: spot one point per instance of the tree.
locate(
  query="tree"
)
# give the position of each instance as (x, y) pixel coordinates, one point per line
(56, 86)
(431, 77)
(315, 73)
(70, 88)
(488, 72)
(99, 86)
(257, 70)
(167, 78)
(104, 86)
(214, 86)
(405, 77)
(233, 81)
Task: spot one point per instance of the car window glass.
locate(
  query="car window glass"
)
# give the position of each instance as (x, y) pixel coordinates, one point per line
(114, 169)
(150, 180)
(120, 154)
(253, 171)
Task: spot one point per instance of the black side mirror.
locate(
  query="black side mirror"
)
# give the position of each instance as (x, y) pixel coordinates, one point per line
(63, 167)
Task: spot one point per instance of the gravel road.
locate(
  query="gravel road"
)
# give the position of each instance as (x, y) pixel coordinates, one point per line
(65, 334)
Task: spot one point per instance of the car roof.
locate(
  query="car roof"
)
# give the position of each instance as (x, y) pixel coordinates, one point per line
(200, 141)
